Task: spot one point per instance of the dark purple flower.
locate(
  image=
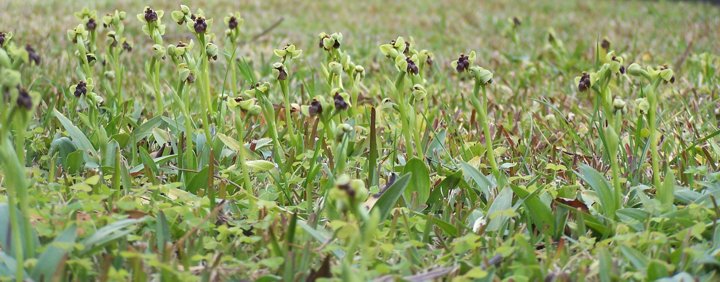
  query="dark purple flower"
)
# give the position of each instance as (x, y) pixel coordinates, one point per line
(24, 100)
(605, 44)
(411, 67)
(463, 63)
(584, 82)
(80, 89)
(340, 103)
(91, 24)
(282, 74)
(315, 108)
(200, 25)
(150, 15)
(32, 55)
(232, 23)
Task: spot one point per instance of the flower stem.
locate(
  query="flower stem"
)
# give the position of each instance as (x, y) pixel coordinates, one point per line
(481, 109)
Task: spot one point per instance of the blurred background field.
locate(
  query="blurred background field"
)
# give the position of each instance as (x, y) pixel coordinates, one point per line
(444, 27)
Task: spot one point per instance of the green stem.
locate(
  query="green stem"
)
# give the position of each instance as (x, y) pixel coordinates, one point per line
(288, 118)
(652, 122)
(481, 109)
(240, 128)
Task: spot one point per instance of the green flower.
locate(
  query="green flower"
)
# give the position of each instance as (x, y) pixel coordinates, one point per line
(79, 33)
(288, 52)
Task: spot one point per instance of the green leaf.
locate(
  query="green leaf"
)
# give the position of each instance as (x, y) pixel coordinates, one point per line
(260, 165)
(483, 184)
(75, 133)
(635, 257)
(608, 202)
(443, 189)
(146, 129)
(63, 146)
(230, 142)
(502, 202)
(418, 191)
(666, 191)
(389, 198)
(540, 213)
(75, 162)
(110, 233)
(54, 254)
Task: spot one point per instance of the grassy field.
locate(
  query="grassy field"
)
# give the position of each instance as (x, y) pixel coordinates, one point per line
(368, 140)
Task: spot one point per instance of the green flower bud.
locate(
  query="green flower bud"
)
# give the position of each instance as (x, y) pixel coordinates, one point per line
(389, 51)
(341, 130)
(212, 51)
(636, 70)
(359, 71)
(335, 68)
(9, 78)
(481, 75)
(619, 104)
(419, 92)
(110, 75)
(159, 51)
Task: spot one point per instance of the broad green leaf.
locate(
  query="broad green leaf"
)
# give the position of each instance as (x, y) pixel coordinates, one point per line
(110, 233)
(230, 142)
(418, 191)
(483, 184)
(666, 191)
(389, 198)
(260, 165)
(54, 254)
(75, 133)
(608, 201)
(502, 202)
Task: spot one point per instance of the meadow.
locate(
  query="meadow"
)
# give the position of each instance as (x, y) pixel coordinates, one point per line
(359, 141)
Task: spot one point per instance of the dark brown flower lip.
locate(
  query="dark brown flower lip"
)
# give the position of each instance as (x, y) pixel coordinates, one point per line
(2, 38)
(411, 67)
(91, 24)
(150, 15)
(605, 44)
(516, 21)
(126, 46)
(315, 108)
(32, 55)
(340, 103)
(200, 25)
(80, 89)
(232, 23)
(463, 63)
(584, 83)
(24, 100)
(282, 75)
